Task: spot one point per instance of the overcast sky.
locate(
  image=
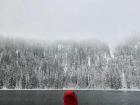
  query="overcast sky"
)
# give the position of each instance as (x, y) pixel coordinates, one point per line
(107, 20)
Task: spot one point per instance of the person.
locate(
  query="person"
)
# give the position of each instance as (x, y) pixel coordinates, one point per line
(70, 98)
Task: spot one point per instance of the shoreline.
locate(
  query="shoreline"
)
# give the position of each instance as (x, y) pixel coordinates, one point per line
(72, 89)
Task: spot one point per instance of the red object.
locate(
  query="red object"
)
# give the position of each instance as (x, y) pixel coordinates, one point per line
(70, 98)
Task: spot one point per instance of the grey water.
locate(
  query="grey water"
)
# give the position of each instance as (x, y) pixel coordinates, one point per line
(55, 97)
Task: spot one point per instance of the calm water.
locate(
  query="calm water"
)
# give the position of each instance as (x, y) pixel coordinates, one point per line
(55, 97)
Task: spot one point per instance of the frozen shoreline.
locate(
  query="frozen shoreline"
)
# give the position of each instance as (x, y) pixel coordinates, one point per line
(79, 89)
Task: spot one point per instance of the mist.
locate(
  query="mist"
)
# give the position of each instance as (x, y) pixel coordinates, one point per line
(108, 21)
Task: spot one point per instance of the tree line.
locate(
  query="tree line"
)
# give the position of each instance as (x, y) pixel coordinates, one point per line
(64, 64)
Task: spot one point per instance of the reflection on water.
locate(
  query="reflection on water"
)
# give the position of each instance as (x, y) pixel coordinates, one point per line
(55, 97)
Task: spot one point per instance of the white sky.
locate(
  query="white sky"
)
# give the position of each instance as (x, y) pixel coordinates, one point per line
(107, 20)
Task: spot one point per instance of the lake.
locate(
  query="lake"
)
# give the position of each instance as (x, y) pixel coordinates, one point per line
(55, 97)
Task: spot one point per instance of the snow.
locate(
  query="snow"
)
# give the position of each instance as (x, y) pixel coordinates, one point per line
(123, 81)
(59, 46)
(89, 67)
(111, 53)
(65, 68)
(136, 46)
(4, 88)
(89, 63)
(123, 90)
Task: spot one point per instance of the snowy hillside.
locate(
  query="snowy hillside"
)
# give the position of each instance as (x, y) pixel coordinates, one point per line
(79, 65)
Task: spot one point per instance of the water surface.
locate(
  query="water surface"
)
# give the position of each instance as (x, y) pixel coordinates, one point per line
(55, 97)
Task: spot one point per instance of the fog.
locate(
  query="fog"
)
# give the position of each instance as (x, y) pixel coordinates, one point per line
(110, 21)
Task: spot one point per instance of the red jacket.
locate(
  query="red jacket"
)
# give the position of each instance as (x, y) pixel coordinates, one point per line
(70, 98)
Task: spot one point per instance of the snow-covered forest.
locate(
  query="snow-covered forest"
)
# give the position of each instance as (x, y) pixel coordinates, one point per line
(69, 64)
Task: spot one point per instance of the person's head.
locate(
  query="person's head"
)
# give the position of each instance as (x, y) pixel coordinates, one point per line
(70, 98)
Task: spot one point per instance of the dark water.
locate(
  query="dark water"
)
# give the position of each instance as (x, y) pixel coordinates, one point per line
(55, 97)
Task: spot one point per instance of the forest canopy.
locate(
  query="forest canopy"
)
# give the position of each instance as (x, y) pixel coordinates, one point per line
(69, 64)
